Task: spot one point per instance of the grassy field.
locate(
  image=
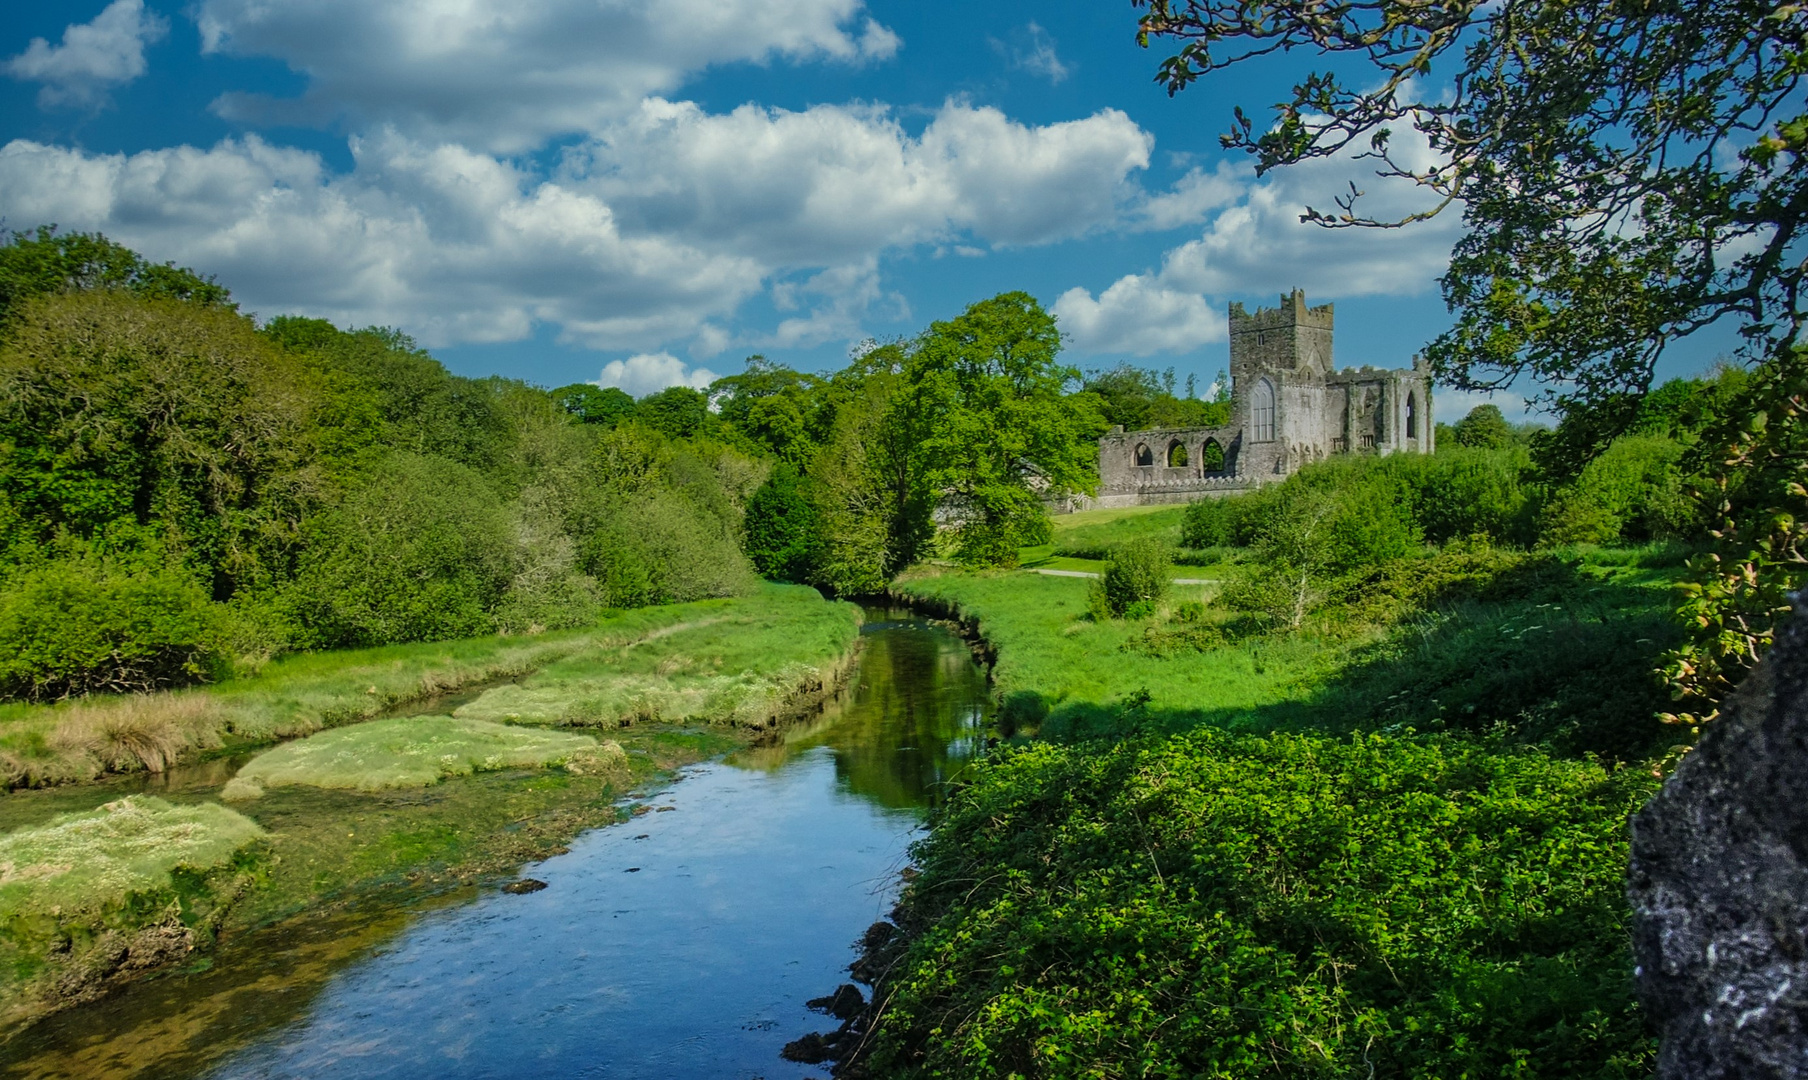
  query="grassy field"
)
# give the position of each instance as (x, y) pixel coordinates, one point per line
(305, 693)
(1563, 659)
(99, 884)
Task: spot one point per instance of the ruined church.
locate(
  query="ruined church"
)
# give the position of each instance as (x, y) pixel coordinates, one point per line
(1289, 405)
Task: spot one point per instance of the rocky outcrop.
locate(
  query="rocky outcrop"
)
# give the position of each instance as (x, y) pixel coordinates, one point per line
(1719, 885)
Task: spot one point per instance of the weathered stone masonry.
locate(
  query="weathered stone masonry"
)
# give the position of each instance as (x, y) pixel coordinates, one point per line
(1290, 405)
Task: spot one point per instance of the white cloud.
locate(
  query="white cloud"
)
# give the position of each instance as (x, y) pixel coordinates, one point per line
(1137, 316)
(1033, 50)
(94, 56)
(647, 373)
(652, 234)
(454, 246)
(833, 183)
(1253, 243)
(505, 76)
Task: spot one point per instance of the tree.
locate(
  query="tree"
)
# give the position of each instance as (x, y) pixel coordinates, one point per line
(1484, 428)
(998, 432)
(780, 528)
(46, 261)
(775, 407)
(676, 411)
(1628, 173)
(605, 406)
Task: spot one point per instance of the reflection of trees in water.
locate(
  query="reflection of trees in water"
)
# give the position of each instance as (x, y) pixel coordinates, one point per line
(913, 715)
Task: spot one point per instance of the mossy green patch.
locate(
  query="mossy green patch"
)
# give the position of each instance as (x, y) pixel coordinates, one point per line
(100, 857)
(406, 751)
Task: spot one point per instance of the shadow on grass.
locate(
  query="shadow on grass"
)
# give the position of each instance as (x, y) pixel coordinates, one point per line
(1551, 653)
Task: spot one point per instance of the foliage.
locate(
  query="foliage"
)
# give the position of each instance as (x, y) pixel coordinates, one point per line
(781, 528)
(1484, 428)
(986, 392)
(606, 406)
(777, 408)
(421, 552)
(1136, 578)
(1632, 491)
(1628, 174)
(1138, 399)
(677, 412)
(1212, 905)
(1739, 588)
(47, 262)
(127, 420)
(84, 627)
(404, 751)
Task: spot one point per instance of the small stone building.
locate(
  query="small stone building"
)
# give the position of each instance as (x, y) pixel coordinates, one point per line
(1290, 405)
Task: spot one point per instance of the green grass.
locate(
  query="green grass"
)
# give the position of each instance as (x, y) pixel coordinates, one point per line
(1097, 530)
(741, 665)
(86, 861)
(302, 694)
(405, 751)
(1564, 660)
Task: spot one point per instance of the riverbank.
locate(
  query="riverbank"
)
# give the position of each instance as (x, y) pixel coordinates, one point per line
(667, 687)
(1396, 847)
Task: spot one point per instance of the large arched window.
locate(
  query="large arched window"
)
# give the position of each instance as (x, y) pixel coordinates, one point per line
(1262, 411)
(1177, 455)
(1211, 456)
(1143, 455)
(1412, 416)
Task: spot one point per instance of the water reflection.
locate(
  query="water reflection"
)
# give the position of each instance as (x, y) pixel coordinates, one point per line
(681, 945)
(913, 714)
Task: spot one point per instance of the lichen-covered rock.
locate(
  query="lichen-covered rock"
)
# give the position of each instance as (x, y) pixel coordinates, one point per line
(1719, 885)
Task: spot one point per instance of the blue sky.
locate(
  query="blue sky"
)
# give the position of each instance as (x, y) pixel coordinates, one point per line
(646, 191)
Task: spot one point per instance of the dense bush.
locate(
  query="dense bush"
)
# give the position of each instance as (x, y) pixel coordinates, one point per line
(1634, 491)
(1135, 580)
(781, 529)
(422, 551)
(661, 548)
(1215, 906)
(82, 627)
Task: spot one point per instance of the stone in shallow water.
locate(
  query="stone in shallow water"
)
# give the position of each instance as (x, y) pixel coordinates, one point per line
(1719, 885)
(525, 885)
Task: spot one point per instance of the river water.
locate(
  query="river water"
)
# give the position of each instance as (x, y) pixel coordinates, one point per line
(683, 943)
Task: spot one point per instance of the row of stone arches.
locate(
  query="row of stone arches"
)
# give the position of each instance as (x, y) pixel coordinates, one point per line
(1211, 455)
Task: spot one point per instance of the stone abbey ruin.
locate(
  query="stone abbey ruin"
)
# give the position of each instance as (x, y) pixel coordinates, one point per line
(1289, 406)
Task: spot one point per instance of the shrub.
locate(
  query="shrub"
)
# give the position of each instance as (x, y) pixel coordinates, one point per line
(1136, 578)
(423, 551)
(781, 528)
(1633, 491)
(660, 549)
(1212, 905)
(79, 627)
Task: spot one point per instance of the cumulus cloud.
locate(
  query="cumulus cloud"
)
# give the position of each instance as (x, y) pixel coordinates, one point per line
(505, 76)
(1253, 243)
(1137, 315)
(94, 57)
(833, 183)
(1033, 50)
(1448, 406)
(653, 233)
(455, 246)
(648, 373)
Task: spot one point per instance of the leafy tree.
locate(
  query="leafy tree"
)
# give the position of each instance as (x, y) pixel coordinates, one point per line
(424, 551)
(592, 404)
(46, 261)
(781, 410)
(1627, 173)
(1483, 429)
(998, 432)
(124, 418)
(781, 528)
(677, 411)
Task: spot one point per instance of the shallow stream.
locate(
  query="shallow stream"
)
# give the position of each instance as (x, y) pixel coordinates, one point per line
(682, 943)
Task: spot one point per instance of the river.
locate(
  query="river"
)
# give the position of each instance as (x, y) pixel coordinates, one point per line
(683, 943)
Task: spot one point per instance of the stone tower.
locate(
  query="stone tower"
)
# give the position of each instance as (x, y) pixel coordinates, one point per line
(1279, 361)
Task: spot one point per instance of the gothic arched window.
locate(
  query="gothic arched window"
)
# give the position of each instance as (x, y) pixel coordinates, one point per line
(1412, 416)
(1211, 456)
(1143, 455)
(1177, 455)
(1262, 411)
